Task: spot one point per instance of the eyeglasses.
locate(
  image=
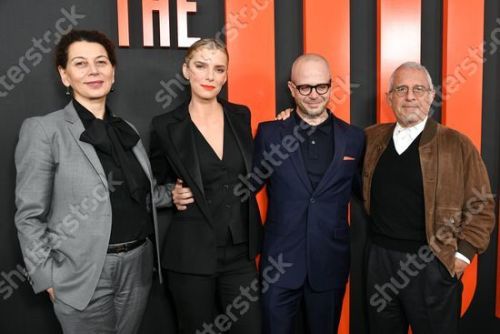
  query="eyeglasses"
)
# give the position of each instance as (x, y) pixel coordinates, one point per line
(418, 90)
(306, 90)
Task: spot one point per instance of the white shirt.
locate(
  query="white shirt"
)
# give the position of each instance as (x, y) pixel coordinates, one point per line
(403, 138)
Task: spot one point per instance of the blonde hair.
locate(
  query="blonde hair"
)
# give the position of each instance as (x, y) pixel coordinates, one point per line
(208, 43)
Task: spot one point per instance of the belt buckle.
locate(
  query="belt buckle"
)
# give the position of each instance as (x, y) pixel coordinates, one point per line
(118, 248)
(121, 248)
(125, 247)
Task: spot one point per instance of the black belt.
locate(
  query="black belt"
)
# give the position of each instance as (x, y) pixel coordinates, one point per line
(125, 247)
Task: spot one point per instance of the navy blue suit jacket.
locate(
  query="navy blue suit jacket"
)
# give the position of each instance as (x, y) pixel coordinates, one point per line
(306, 228)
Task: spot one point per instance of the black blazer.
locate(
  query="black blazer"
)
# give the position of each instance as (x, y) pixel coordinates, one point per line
(189, 244)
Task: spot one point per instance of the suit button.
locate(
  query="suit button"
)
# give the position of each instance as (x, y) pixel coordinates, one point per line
(228, 206)
(312, 200)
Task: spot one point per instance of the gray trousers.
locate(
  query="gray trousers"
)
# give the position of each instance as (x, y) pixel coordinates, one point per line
(120, 298)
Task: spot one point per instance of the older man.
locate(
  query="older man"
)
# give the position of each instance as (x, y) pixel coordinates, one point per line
(308, 162)
(427, 192)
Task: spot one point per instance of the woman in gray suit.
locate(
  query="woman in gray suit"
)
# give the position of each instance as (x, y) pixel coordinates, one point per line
(85, 199)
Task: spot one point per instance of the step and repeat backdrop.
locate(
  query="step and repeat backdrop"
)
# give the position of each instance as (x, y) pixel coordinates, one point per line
(364, 40)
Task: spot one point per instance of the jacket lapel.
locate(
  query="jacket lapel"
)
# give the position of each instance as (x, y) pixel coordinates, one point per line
(296, 158)
(76, 128)
(181, 135)
(239, 128)
(339, 136)
(374, 151)
(429, 164)
(142, 157)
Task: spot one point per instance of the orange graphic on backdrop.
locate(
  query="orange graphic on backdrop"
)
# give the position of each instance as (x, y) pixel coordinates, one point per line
(149, 8)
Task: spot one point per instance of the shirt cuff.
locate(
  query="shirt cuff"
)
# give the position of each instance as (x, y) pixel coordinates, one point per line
(462, 257)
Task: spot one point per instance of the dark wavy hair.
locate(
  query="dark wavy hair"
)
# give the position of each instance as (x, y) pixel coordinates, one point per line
(92, 36)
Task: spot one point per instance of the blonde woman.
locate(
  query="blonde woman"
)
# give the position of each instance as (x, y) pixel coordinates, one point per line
(214, 234)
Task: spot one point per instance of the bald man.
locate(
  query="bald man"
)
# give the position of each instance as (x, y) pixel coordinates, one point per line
(308, 162)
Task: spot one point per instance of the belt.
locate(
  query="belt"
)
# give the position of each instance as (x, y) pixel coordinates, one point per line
(125, 247)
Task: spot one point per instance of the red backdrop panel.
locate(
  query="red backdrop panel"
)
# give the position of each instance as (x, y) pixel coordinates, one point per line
(326, 32)
(398, 41)
(250, 42)
(462, 87)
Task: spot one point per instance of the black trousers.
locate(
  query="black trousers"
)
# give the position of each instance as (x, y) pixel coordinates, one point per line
(226, 302)
(416, 290)
(282, 306)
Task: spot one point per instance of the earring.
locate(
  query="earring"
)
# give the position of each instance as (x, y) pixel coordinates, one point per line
(112, 90)
(68, 92)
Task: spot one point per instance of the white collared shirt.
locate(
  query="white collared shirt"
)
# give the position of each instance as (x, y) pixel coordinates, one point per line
(403, 138)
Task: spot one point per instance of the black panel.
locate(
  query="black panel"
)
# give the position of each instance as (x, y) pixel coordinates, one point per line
(431, 47)
(142, 74)
(289, 45)
(363, 25)
(484, 299)
(363, 18)
(491, 92)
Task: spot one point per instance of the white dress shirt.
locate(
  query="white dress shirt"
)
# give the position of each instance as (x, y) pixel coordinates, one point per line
(403, 137)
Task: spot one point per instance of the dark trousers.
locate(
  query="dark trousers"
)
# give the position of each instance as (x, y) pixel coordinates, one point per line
(281, 307)
(120, 298)
(421, 294)
(227, 301)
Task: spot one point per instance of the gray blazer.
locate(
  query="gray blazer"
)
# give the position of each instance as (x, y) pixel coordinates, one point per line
(63, 215)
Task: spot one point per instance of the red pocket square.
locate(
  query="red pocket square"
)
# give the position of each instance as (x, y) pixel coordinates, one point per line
(346, 157)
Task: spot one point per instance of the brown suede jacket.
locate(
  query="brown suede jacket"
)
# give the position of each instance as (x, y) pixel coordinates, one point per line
(458, 201)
